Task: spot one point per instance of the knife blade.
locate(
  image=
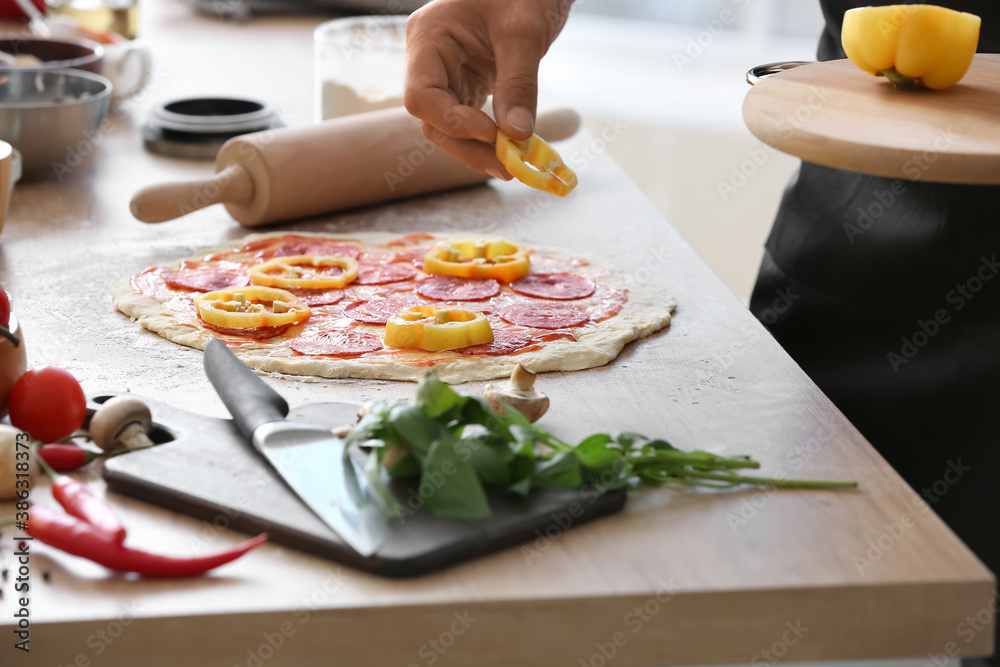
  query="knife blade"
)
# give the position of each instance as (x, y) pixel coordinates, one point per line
(311, 460)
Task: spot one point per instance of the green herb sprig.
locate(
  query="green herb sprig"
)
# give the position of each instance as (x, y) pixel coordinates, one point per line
(457, 446)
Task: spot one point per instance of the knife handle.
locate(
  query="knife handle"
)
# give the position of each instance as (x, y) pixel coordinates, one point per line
(249, 399)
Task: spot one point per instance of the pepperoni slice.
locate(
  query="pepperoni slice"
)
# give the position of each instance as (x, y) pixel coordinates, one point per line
(505, 341)
(544, 315)
(413, 255)
(319, 296)
(383, 272)
(207, 279)
(335, 342)
(376, 311)
(454, 288)
(554, 286)
(318, 248)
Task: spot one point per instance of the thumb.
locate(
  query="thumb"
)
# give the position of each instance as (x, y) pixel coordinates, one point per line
(515, 94)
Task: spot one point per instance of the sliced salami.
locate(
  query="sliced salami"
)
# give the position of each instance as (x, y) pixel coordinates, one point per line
(453, 288)
(317, 248)
(505, 341)
(554, 286)
(335, 342)
(319, 297)
(544, 315)
(376, 311)
(384, 272)
(412, 255)
(207, 279)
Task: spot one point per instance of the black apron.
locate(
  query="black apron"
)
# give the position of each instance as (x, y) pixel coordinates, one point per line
(887, 293)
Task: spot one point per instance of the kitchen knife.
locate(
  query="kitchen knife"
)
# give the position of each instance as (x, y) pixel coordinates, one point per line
(311, 460)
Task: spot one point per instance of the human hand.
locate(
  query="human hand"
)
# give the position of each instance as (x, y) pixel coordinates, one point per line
(458, 52)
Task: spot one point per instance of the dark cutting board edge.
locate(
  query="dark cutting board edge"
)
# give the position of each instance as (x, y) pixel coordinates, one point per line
(164, 476)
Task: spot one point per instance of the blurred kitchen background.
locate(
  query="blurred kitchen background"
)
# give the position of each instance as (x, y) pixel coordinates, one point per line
(668, 78)
(671, 74)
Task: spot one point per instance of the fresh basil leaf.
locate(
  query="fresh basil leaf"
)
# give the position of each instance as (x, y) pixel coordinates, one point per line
(478, 411)
(521, 487)
(378, 490)
(661, 445)
(371, 427)
(524, 436)
(455, 491)
(488, 457)
(563, 469)
(627, 439)
(522, 470)
(435, 397)
(406, 466)
(412, 425)
(599, 459)
(596, 442)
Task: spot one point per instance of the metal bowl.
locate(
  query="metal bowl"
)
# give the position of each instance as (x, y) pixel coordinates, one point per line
(54, 53)
(52, 117)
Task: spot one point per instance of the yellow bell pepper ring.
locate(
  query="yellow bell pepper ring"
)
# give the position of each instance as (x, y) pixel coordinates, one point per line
(911, 45)
(498, 259)
(435, 329)
(534, 162)
(304, 271)
(251, 307)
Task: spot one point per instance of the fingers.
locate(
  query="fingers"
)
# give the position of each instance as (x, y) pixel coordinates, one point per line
(516, 94)
(440, 109)
(436, 51)
(474, 154)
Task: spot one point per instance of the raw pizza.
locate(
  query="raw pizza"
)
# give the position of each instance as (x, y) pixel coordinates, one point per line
(566, 314)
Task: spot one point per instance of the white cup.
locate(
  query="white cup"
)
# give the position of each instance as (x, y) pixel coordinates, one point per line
(129, 66)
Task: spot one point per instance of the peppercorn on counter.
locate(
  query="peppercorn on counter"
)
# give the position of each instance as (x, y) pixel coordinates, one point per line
(791, 575)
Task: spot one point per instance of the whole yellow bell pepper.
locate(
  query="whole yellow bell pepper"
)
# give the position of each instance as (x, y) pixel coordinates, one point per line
(911, 45)
(435, 329)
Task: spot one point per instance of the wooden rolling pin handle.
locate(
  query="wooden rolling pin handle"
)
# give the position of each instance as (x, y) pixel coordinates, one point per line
(167, 201)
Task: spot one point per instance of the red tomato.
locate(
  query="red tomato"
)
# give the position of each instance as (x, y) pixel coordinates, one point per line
(48, 403)
(4, 308)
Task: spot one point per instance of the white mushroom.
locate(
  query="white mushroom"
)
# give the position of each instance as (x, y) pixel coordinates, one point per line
(123, 422)
(519, 393)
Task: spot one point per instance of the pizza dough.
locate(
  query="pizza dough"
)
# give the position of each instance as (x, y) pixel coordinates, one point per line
(564, 313)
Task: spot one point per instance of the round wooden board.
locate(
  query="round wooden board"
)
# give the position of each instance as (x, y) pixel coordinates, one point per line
(834, 114)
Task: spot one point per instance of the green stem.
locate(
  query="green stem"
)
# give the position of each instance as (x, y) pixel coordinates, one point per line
(780, 483)
(6, 333)
(69, 438)
(899, 80)
(53, 475)
(688, 458)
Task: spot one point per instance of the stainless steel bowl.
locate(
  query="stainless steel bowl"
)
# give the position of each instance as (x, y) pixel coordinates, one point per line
(54, 53)
(53, 117)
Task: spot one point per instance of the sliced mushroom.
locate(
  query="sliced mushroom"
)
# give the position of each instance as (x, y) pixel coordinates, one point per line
(123, 422)
(519, 393)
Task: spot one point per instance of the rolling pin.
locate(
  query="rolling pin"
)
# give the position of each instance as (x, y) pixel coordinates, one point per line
(366, 158)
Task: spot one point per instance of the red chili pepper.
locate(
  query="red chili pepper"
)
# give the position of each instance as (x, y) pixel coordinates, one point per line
(79, 501)
(66, 457)
(75, 537)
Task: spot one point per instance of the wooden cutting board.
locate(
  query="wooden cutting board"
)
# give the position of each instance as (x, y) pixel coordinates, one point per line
(202, 466)
(834, 114)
